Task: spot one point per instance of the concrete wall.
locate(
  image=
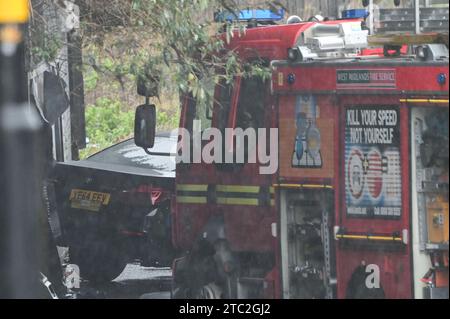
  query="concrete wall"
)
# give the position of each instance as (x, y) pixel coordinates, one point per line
(52, 22)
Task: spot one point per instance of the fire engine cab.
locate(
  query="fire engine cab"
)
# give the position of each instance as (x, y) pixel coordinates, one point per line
(358, 204)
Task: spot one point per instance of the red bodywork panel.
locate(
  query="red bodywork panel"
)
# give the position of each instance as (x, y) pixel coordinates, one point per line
(321, 78)
(394, 264)
(248, 228)
(271, 42)
(397, 81)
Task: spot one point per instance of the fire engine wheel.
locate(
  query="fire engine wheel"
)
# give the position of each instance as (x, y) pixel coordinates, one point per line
(99, 262)
(198, 275)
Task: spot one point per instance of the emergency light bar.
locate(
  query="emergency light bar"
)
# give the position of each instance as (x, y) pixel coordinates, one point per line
(355, 14)
(259, 15)
(330, 41)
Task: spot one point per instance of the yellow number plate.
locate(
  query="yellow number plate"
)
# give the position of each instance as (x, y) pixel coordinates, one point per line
(88, 200)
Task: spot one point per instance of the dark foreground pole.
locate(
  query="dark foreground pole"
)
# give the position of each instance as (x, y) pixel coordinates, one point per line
(21, 162)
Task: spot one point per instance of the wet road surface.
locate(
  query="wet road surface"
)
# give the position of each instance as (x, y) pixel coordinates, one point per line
(135, 282)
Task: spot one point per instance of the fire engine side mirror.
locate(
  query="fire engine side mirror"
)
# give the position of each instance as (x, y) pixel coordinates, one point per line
(145, 126)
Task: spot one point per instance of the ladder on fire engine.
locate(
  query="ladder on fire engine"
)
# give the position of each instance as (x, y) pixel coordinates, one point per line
(414, 19)
(422, 44)
(409, 26)
(408, 39)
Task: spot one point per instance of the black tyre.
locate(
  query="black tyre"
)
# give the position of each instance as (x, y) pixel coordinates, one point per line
(99, 260)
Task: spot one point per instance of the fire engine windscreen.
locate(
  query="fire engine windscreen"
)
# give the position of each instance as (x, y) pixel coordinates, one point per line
(236, 135)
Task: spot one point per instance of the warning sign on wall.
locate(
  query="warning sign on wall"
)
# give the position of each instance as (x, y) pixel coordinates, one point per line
(372, 162)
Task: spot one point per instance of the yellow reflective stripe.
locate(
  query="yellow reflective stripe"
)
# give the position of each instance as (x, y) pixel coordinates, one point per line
(191, 199)
(241, 201)
(312, 186)
(221, 190)
(237, 201)
(14, 11)
(286, 185)
(381, 238)
(437, 101)
(192, 187)
(303, 186)
(403, 39)
(237, 189)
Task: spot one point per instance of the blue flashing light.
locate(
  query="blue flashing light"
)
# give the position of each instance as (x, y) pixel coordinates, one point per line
(442, 78)
(355, 14)
(246, 15)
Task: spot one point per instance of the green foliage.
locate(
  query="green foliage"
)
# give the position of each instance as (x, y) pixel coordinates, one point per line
(173, 38)
(167, 121)
(172, 41)
(45, 47)
(91, 78)
(107, 124)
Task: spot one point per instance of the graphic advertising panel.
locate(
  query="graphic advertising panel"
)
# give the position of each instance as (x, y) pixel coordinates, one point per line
(306, 137)
(372, 162)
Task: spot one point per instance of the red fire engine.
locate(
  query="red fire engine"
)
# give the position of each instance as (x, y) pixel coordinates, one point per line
(358, 207)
